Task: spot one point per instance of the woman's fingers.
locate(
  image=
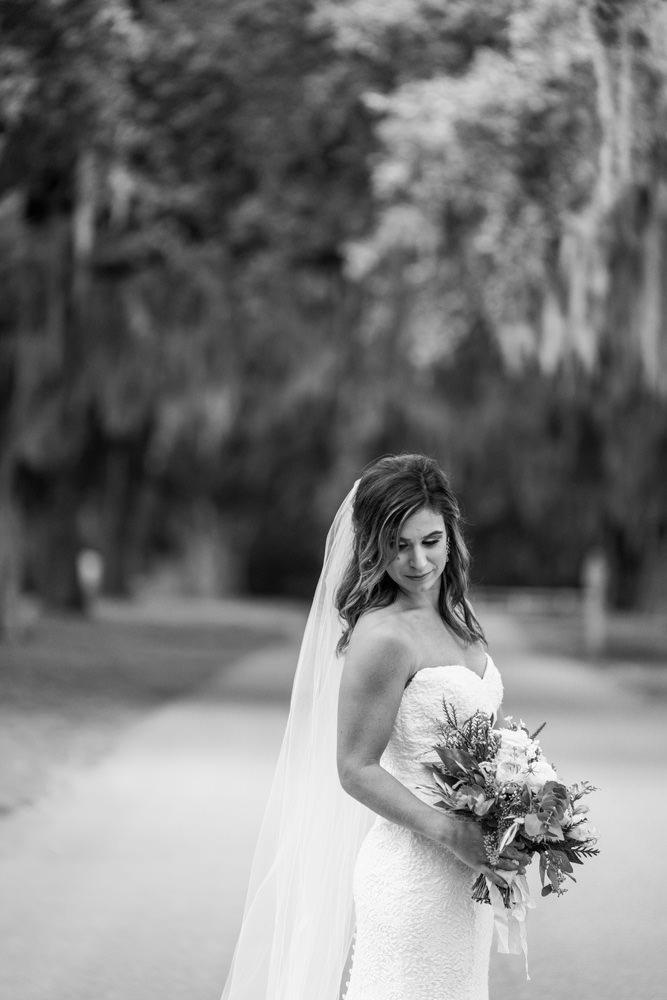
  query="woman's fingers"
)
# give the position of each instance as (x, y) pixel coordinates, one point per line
(495, 878)
(515, 853)
(514, 859)
(508, 864)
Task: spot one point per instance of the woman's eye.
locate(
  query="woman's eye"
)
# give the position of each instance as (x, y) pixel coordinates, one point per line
(427, 544)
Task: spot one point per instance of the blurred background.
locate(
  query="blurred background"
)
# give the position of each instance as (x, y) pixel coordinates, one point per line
(245, 247)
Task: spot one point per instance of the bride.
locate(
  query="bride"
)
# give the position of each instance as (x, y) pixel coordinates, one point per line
(360, 889)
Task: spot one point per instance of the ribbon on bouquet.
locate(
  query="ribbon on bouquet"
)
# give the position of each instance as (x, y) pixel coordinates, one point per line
(510, 921)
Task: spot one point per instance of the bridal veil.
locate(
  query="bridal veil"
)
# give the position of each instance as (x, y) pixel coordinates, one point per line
(298, 921)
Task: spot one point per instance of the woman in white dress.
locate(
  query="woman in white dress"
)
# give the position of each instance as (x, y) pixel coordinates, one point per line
(374, 877)
(411, 641)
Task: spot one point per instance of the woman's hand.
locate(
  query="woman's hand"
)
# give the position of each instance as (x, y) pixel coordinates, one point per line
(465, 839)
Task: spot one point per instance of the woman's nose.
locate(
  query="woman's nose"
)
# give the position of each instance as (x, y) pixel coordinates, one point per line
(418, 557)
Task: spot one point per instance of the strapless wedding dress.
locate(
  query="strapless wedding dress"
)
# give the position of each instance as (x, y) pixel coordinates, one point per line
(419, 935)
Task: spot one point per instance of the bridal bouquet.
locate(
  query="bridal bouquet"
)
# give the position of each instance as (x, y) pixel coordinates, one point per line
(501, 778)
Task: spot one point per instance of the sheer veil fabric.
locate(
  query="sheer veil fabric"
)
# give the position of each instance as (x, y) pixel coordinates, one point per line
(298, 921)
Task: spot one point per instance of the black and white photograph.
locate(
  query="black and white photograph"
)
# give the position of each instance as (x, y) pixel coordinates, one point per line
(333, 499)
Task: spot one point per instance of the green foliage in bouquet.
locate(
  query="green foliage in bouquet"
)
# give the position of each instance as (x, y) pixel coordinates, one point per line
(500, 778)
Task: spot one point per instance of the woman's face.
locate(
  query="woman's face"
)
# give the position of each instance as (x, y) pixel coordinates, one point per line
(422, 553)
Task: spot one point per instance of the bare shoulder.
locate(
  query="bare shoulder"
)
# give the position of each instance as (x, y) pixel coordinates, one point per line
(381, 628)
(380, 644)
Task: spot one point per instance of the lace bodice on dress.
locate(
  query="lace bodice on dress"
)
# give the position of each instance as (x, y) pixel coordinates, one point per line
(419, 934)
(420, 715)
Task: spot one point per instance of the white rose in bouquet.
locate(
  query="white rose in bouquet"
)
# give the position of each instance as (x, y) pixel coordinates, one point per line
(539, 772)
(514, 740)
(583, 831)
(512, 756)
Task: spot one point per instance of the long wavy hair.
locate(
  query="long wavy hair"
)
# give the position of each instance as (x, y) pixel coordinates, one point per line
(390, 491)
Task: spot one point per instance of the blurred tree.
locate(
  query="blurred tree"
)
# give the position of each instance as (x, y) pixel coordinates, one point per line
(520, 194)
(63, 109)
(248, 247)
(195, 211)
(299, 139)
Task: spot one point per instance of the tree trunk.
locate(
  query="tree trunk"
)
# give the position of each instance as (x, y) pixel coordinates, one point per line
(652, 312)
(626, 570)
(14, 364)
(9, 556)
(9, 567)
(54, 510)
(652, 591)
(123, 484)
(53, 545)
(115, 522)
(212, 562)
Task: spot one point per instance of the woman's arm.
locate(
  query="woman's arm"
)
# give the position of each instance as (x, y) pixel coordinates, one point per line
(377, 667)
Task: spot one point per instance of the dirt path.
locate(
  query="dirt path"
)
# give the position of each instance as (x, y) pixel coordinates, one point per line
(605, 938)
(129, 885)
(126, 886)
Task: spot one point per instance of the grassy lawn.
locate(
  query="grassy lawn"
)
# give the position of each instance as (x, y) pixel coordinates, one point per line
(634, 651)
(72, 685)
(69, 689)
(630, 638)
(551, 621)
